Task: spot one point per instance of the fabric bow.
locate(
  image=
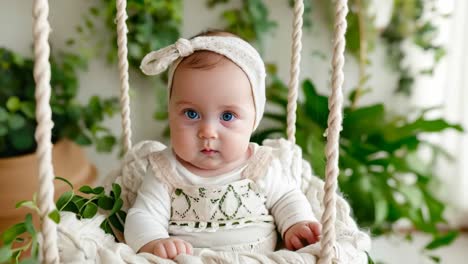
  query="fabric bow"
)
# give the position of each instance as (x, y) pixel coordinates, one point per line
(158, 61)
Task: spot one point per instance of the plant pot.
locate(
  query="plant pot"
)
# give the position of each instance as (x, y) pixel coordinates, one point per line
(19, 178)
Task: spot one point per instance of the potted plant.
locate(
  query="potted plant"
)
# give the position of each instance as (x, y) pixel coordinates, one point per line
(74, 125)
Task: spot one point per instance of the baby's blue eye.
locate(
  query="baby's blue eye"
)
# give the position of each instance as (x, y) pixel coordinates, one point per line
(191, 114)
(227, 116)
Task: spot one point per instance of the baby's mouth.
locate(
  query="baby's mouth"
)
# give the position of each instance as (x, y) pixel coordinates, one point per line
(208, 151)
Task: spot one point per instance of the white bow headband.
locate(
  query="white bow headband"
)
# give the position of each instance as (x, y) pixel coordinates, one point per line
(235, 49)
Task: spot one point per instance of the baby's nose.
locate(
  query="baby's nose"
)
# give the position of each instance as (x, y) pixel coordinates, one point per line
(207, 131)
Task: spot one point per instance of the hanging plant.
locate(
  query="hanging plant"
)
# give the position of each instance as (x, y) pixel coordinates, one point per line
(413, 21)
(81, 123)
(151, 26)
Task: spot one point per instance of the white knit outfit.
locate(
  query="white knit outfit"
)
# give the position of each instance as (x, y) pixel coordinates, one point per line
(235, 211)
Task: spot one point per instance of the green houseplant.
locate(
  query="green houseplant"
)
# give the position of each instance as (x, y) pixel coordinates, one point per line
(74, 124)
(72, 120)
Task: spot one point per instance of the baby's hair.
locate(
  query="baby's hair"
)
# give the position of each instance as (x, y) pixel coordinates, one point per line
(206, 59)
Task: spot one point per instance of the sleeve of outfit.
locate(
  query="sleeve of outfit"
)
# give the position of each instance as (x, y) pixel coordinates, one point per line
(285, 200)
(148, 219)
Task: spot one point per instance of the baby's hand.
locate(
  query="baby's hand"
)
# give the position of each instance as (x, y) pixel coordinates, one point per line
(168, 247)
(302, 234)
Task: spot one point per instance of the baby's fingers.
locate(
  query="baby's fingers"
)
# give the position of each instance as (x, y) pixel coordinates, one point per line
(296, 243)
(183, 247)
(307, 234)
(171, 249)
(160, 250)
(188, 248)
(316, 228)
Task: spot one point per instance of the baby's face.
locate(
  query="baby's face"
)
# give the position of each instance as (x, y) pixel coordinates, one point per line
(211, 117)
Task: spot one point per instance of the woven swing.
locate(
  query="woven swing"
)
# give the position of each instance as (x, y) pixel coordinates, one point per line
(79, 241)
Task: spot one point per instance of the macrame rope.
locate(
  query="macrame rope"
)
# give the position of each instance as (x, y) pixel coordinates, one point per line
(42, 72)
(335, 118)
(123, 73)
(295, 70)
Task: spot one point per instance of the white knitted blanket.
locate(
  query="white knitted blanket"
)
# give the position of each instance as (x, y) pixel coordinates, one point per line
(83, 241)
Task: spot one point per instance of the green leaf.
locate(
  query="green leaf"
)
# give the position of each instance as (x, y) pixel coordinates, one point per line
(64, 199)
(72, 207)
(439, 53)
(413, 194)
(105, 144)
(117, 206)
(98, 190)
(90, 210)
(105, 203)
(3, 114)
(13, 104)
(28, 109)
(423, 125)
(436, 207)
(316, 106)
(436, 259)
(55, 216)
(28, 223)
(94, 105)
(23, 139)
(122, 215)
(3, 130)
(117, 190)
(65, 181)
(16, 121)
(83, 140)
(106, 227)
(5, 254)
(115, 222)
(442, 240)
(381, 207)
(94, 11)
(79, 201)
(27, 204)
(364, 120)
(11, 233)
(369, 259)
(70, 42)
(86, 189)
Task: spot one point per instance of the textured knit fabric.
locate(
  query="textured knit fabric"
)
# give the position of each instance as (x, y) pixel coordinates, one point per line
(230, 211)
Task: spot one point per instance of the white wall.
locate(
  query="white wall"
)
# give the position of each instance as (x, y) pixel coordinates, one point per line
(102, 79)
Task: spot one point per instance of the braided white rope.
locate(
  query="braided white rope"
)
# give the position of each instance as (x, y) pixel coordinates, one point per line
(335, 118)
(295, 70)
(45, 198)
(123, 73)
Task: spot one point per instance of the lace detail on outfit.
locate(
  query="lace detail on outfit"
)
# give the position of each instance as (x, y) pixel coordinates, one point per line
(210, 208)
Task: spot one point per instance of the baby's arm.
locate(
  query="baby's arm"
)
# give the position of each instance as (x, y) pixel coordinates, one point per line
(146, 225)
(290, 208)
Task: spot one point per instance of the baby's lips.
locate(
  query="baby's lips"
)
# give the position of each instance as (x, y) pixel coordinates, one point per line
(208, 151)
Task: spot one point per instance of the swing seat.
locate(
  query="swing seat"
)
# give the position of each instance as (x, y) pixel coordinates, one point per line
(83, 241)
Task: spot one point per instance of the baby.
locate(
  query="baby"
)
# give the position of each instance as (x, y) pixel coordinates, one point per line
(212, 188)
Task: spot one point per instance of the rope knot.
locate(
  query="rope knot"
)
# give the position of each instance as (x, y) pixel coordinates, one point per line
(184, 47)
